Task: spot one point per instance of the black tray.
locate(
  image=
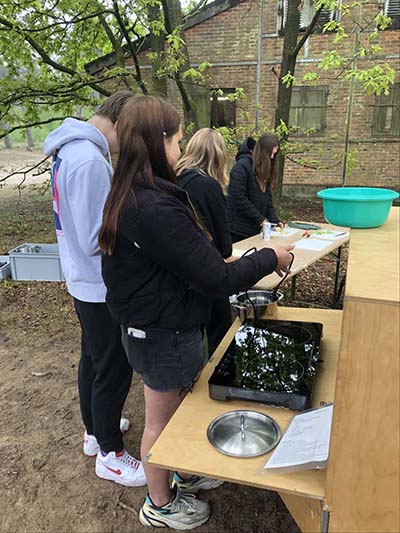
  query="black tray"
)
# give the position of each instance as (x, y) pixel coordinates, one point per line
(274, 363)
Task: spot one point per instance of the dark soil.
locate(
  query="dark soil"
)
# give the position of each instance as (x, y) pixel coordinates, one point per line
(46, 483)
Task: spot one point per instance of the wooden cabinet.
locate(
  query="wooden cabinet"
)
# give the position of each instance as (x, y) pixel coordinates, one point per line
(359, 491)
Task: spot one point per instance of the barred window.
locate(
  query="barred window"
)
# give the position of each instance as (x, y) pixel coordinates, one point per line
(308, 109)
(386, 114)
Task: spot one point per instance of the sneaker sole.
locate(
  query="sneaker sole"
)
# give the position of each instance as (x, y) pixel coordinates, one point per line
(149, 521)
(103, 473)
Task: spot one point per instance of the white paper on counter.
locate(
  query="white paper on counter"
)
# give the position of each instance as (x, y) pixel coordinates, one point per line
(306, 442)
(329, 235)
(311, 244)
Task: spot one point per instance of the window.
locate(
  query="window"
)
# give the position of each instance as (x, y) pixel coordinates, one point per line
(306, 15)
(386, 114)
(308, 109)
(223, 111)
(391, 8)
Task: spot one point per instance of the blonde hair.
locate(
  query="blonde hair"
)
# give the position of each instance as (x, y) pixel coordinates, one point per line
(206, 151)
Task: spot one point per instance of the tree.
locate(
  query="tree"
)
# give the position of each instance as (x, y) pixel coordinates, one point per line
(46, 44)
(376, 79)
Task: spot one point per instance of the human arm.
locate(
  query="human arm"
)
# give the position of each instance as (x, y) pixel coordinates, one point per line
(169, 237)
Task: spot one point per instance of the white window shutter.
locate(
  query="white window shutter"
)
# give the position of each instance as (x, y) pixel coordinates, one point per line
(392, 10)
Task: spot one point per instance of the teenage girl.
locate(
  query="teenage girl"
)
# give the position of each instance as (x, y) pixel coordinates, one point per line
(249, 192)
(161, 271)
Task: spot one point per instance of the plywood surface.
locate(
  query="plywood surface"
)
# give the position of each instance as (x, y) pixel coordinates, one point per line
(306, 512)
(184, 445)
(363, 470)
(302, 258)
(373, 266)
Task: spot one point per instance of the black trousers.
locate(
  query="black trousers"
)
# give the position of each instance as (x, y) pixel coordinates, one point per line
(218, 324)
(236, 238)
(104, 375)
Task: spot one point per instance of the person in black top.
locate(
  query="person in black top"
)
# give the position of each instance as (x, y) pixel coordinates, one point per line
(202, 172)
(249, 191)
(161, 271)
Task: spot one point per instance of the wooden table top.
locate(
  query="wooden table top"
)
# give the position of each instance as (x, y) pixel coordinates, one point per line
(303, 257)
(183, 444)
(375, 251)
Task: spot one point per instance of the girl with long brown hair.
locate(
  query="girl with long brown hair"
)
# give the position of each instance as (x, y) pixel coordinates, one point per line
(161, 270)
(250, 187)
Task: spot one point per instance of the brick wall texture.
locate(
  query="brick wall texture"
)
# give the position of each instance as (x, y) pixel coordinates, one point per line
(228, 41)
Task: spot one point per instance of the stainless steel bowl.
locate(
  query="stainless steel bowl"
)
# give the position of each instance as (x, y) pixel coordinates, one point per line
(244, 433)
(263, 302)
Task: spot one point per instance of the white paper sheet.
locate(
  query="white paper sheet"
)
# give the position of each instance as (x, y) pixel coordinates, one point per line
(311, 244)
(306, 442)
(329, 235)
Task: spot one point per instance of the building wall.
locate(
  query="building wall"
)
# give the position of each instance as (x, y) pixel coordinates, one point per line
(229, 42)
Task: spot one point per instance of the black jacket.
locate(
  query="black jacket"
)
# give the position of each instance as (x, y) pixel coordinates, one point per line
(164, 269)
(248, 205)
(208, 199)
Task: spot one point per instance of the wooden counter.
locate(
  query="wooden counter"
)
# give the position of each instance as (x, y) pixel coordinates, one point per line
(303, 258)
(359, 492)
(189, 424)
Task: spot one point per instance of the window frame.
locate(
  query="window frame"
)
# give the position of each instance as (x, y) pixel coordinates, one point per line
(387, 7)
(215, 98)
(394, 104)
(324, 89)
(334, 14)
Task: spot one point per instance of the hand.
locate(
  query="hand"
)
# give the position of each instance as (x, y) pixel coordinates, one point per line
(281, 224)
(284, 258)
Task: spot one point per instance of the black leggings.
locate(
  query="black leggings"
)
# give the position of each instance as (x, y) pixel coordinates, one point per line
(104, 375)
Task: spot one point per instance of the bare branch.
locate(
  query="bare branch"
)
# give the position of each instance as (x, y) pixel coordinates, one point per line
(30, 125)
(24, 171)
(307, 33)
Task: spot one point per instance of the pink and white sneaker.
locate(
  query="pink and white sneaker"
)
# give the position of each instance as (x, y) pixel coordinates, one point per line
(90, 445)
(121, 468)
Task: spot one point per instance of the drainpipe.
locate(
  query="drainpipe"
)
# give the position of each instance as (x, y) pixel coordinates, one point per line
(259, 54)
(351, 96)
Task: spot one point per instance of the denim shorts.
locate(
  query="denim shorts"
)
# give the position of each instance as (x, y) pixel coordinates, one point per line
(165, 359)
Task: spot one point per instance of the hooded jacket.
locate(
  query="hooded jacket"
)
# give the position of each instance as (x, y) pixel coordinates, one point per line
(164, 271)
(248, 205)
(80, 177)
(208, 199)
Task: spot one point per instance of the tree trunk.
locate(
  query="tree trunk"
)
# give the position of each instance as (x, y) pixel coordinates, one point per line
(29, 140)
(7, 142)
(288, 64)
(174, 19)
(157, 47)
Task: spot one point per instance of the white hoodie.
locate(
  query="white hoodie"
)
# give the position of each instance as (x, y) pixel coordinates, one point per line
(81, 178)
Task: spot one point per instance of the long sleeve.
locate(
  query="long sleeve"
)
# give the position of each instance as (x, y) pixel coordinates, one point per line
(238, 193)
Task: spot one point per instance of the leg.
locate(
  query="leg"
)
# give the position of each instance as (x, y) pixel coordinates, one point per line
(112, 373)
(86, 377)
(160, 406)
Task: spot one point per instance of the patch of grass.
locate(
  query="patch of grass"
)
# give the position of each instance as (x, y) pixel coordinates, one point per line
(28, 218)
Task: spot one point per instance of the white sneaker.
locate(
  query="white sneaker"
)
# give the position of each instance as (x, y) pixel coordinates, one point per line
(91, 446)
(121, 468)
(195, 483)
(184, 512)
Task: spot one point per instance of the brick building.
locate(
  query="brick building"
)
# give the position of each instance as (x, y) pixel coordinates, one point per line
(226, 34)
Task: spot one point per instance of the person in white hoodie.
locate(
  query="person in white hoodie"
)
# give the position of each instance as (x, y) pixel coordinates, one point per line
(81, 177)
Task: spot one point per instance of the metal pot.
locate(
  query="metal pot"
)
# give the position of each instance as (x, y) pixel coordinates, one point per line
(261, 303)
(244, 433)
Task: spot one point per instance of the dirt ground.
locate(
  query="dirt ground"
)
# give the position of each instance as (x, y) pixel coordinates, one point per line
(46, 483)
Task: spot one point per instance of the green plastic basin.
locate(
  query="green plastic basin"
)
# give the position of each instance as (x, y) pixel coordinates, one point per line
(357, 207)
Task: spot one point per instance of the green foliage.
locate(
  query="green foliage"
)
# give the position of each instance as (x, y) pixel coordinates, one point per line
(375, 80)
